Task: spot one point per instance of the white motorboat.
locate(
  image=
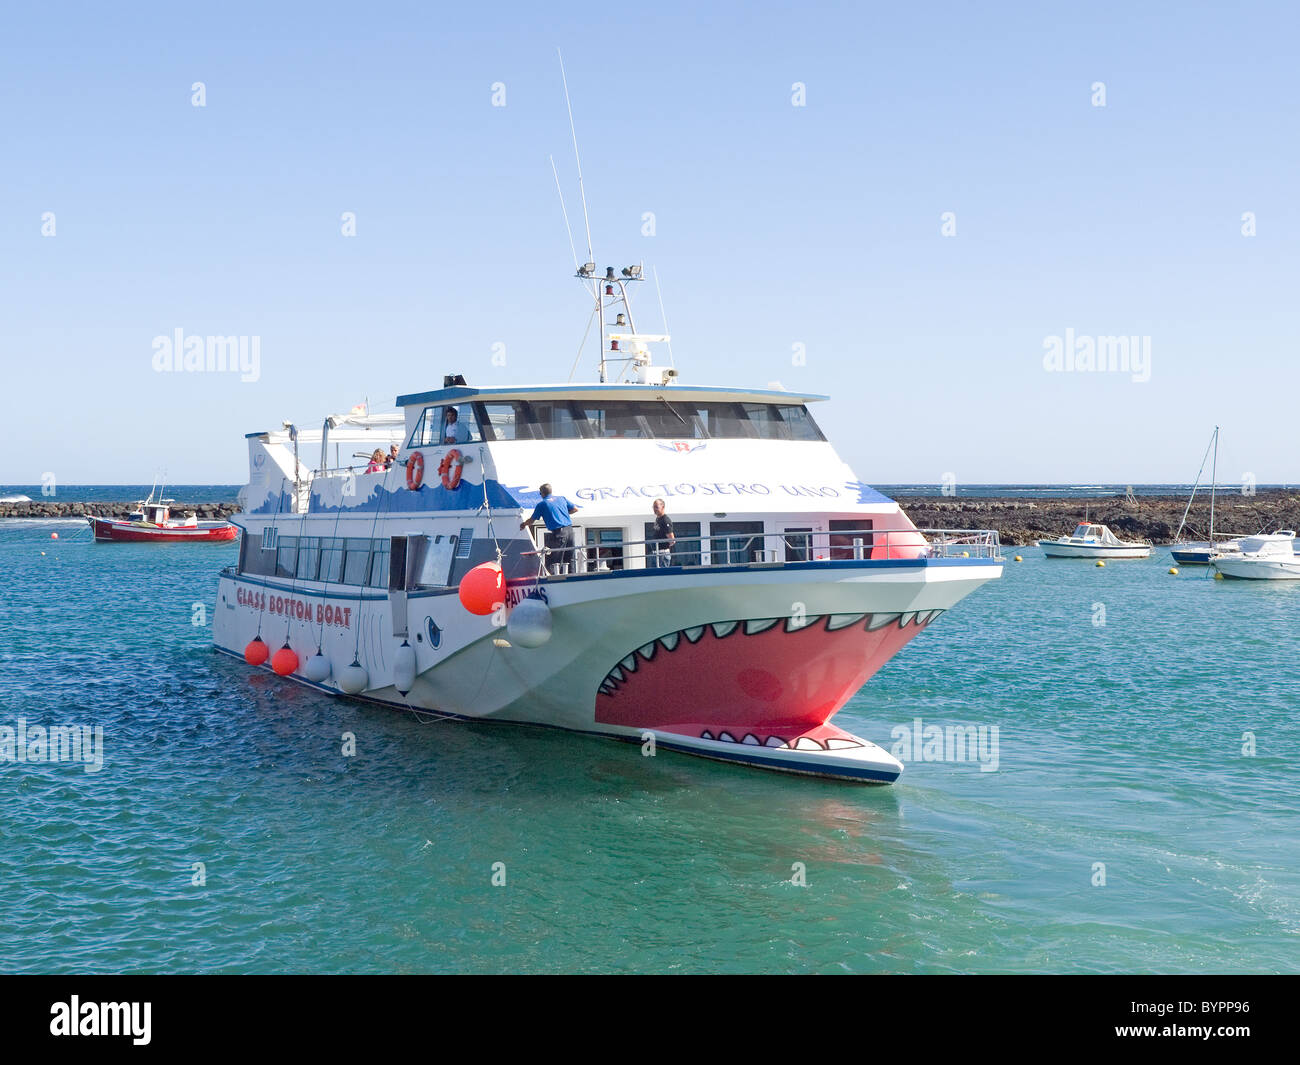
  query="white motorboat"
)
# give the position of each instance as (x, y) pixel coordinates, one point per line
(1092, 540)
(1269, 556)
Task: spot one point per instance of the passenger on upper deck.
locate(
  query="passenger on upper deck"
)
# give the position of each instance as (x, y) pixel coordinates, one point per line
(376, 461)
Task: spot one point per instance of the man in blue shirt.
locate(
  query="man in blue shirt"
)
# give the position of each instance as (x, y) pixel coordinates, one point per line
(554, 511)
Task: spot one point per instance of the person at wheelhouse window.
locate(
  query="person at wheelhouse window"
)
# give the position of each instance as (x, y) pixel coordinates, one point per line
(454, 431)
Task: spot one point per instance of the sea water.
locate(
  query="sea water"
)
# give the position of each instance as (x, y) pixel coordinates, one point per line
(1140, 815)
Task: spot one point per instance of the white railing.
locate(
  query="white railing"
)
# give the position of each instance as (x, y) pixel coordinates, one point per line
(772, 549)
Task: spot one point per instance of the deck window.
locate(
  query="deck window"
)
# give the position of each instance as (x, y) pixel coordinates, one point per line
(286, 556)
(686, 546)
(378, 577)
(356, 561)
(604, 549)
(734, 542)
(845, 531)
(308, 558)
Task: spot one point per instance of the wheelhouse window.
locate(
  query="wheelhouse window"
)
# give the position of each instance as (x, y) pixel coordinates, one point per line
(449, 424)
(665, 419)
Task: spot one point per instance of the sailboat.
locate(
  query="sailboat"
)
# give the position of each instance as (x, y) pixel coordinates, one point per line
(1197, 553)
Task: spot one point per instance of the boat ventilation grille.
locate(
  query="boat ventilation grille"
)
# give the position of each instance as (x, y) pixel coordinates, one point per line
(464, 543)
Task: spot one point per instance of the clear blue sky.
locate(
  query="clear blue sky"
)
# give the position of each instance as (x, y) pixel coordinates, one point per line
(775, 224)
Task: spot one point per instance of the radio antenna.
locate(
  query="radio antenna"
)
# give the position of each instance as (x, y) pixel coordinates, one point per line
(577, 158)
(565, 211)
(663, 316)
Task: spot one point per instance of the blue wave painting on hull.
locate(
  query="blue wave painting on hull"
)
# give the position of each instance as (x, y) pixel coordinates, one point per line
(867, 494)
(465, 496)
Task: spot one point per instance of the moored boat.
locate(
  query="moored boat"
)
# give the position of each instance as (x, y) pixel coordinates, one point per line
(1093, 540)
(1269, 556)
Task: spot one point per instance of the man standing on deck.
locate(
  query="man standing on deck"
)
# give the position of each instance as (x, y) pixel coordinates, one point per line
(554, 511)
(663, 535)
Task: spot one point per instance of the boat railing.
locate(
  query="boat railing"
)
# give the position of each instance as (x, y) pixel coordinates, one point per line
(773, 549)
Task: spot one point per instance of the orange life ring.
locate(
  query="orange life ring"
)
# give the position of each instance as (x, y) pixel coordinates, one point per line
(450, 468)
(414, 471)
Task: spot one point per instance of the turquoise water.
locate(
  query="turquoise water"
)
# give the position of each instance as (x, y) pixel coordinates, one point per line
(1119, 744)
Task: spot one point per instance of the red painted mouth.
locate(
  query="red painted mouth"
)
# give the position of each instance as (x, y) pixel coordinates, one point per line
(765, 681)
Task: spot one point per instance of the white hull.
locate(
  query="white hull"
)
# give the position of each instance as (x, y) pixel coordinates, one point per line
(1268, 569)
(744, 665)
(1060, 549)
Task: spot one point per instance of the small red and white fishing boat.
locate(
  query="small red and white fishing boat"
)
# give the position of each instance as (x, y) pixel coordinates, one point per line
(153, 523)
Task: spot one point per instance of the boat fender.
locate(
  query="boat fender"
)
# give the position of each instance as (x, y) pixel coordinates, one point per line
(353, 679)
(256, 652)
(450, 469)
(415, 471)
(482, 589)
(317, 668)
(404, 668)
(529, 624)
(285, 660)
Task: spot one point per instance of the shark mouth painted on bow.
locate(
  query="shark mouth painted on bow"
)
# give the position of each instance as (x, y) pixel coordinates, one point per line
(771, 682)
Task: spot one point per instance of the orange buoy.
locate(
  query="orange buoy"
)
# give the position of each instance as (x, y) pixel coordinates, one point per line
(54, 536)
(256, 652)
(285, 660)
(482, 588)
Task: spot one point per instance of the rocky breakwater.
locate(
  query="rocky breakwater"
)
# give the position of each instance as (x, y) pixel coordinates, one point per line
(1154, 518)
(48, 508)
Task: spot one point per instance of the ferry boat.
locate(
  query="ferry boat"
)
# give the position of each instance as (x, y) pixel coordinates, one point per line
(788, 584)
(152, 522)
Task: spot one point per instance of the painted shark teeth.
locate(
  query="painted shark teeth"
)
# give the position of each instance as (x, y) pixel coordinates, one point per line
(775, 741)
(842, 621)
(837, 744)
(751, 739)
(620, 673)
(805, 743)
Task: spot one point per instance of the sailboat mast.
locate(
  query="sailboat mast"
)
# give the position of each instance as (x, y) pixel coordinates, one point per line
(1214, 480)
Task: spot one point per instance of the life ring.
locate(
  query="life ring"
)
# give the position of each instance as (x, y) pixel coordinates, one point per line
(450, 468)
(415, 471)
